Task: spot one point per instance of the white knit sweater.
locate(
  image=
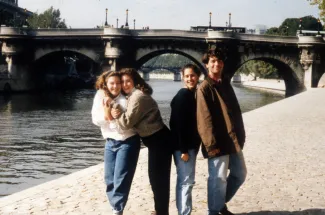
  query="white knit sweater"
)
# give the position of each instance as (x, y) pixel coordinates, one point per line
(110, 129)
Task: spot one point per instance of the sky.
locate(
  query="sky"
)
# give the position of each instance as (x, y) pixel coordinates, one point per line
(175, 14)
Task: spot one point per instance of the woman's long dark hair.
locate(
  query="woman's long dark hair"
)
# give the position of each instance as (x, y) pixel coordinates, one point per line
(139, 82)
(195, 69)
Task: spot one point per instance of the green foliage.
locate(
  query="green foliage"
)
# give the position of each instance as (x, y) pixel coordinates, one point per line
(259, 69)
(290, 26)
(48, 19)
(321, 7)
(272, 31)
(310, 23)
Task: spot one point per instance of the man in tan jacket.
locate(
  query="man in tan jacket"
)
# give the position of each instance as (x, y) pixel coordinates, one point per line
(221, 128)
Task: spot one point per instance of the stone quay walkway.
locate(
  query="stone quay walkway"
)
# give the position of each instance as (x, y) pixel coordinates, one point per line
(285, 157)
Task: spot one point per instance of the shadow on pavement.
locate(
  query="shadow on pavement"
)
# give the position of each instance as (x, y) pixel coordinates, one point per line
(304, 212)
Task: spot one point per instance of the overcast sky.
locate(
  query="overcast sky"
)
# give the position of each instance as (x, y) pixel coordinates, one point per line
(174, 14)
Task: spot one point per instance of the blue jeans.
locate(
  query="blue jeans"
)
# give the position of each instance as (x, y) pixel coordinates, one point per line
(185, 181)
(120, 162)
(220, 187)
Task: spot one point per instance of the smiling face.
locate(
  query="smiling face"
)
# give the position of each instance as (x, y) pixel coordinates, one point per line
(215, 67)
(127, 84)
(190, 78)
(113, 84)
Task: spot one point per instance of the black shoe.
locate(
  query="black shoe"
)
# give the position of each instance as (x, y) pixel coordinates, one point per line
(224, 211)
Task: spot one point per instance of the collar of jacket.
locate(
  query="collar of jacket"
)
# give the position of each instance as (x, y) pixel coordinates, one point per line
(213, 82)
(132, 91)
(118, 96)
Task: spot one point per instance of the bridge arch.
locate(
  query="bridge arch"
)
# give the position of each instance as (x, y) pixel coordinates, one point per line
(144, 56)
(288, 68)
(90, 53)
(64, 70)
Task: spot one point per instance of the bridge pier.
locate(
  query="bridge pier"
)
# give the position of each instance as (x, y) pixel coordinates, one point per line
(19, 77)
(112, 53)
(236, 78)
(146, 76)
(177, 76)
(310, 60)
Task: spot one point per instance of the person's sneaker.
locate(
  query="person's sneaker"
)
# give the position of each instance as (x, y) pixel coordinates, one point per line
(114, 212)
(224, 211)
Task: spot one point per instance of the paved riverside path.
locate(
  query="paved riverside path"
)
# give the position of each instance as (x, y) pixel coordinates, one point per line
(285, 156)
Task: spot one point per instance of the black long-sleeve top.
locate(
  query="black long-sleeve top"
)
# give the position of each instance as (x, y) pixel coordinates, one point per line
(183, 123)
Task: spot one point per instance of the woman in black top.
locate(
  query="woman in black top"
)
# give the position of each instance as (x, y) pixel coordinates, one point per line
(185, 136)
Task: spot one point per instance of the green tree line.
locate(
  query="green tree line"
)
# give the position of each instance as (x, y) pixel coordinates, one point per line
(50, 18)
(259, 69)
(290, 26)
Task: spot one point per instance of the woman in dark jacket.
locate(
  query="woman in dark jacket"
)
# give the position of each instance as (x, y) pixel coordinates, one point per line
(185, 137)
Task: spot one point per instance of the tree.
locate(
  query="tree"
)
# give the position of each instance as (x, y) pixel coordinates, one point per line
(272, 31)
(321, 7)
(259, 69)
(290, 26)
(48, 19)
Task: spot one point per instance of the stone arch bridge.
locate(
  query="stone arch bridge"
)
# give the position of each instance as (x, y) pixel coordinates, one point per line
(300, 60)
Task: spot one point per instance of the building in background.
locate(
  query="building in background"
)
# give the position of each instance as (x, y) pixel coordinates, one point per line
(12, 15)
(260, 29)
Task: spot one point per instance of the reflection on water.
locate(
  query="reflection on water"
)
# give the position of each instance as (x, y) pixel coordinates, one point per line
(47, 135)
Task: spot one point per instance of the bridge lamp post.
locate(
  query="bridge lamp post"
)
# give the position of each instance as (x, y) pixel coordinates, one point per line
(127, 17)
(318, 26)
(116, 23)
(134, 24)
(229, 25)
(210, 20)
(106, 24)
(300, 26)
(287, 31)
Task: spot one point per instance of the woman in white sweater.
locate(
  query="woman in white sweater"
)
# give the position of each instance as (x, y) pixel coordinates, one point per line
(122, 146)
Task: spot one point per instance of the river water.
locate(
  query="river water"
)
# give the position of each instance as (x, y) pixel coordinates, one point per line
(47, 135)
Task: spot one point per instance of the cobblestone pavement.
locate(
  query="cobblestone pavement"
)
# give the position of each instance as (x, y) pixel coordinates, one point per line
(284, 154)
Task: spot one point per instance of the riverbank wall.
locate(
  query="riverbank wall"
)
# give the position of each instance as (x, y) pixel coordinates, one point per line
(269, 85)
(284, 156)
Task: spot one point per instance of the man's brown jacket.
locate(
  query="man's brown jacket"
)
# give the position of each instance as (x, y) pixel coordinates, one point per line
(219, 118)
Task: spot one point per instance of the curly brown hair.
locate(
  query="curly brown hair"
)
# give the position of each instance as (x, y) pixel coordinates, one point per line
(101, 82)
(213, 53)
(139, 82)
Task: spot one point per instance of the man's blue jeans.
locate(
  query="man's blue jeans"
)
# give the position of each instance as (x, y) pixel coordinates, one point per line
(120, 162)
(220, 187)
(185, 181)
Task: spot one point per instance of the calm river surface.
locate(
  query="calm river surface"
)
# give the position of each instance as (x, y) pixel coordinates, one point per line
(45, 136)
